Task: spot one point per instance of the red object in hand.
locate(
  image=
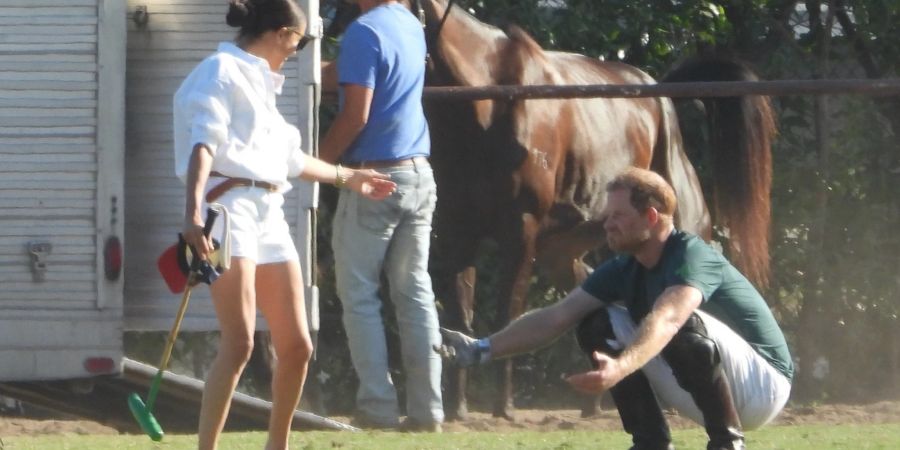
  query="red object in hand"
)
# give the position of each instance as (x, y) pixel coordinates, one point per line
(171, 271)
(174, 267)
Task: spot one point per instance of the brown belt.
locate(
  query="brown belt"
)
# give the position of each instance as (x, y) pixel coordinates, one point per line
(380, 164)
(233, 182)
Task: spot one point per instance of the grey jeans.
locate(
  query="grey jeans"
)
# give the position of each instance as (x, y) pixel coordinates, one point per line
(390, 236)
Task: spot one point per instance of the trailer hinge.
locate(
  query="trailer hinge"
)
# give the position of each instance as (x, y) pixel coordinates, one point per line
(39, 250)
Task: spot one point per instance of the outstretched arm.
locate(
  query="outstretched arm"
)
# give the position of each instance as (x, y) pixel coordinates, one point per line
(668, 315)
(367, 182)
(529, 332)
(542, 326)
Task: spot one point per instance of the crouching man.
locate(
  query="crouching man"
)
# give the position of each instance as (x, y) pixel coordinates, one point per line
(669, 321)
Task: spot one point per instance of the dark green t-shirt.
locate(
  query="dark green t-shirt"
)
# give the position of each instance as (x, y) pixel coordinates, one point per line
(727, 294)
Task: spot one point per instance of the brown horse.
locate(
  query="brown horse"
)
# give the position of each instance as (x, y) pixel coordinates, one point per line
(530, 174)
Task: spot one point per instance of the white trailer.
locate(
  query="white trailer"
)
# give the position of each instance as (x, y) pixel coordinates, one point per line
(61, 187)
(88, 196)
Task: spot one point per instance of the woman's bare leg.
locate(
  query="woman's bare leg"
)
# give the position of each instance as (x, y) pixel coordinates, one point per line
(235, 303)
(279, 293)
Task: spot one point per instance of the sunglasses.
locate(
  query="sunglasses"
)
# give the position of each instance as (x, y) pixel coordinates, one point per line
(304, 38)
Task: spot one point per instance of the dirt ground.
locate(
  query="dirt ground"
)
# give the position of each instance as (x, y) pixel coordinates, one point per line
(538, 420)
(552, 420)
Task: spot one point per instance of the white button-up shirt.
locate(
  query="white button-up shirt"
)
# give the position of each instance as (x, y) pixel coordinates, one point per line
(228, 103)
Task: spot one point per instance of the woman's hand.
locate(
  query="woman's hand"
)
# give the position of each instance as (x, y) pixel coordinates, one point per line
(370, 183)
(193, 235)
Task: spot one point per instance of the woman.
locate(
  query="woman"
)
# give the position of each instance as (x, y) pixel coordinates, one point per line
(232, 146)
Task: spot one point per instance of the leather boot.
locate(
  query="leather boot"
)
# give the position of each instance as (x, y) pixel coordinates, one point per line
(723, 425)
(697, 365)
(641, 415)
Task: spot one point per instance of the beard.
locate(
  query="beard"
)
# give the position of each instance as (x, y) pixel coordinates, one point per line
(628, 242)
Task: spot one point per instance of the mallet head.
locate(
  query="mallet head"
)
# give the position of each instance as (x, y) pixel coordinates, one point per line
(144, 417)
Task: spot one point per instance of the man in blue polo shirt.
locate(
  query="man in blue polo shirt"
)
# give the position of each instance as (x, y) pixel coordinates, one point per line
(667, 321)
(381, 125)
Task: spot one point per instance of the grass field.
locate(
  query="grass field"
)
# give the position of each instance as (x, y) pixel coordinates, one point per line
(797, 437)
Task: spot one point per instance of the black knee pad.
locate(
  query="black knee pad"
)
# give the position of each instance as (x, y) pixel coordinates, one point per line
(593, 331)
(693, 356)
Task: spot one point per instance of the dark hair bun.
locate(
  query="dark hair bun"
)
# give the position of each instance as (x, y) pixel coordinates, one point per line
(240, 13)
(256, 17)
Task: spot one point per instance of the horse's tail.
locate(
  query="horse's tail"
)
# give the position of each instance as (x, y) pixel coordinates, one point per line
(741, 130)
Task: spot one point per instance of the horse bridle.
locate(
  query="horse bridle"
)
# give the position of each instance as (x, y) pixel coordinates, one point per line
(430, 40)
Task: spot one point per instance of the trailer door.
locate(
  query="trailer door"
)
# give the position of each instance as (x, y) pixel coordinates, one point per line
(61, 191)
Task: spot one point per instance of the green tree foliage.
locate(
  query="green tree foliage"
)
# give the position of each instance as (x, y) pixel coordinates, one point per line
(648, 34)
(835, 249)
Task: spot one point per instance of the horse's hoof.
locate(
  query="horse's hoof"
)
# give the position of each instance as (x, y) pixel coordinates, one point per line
(588, 412)
(458, 414)
(505, 413)
(589, 408)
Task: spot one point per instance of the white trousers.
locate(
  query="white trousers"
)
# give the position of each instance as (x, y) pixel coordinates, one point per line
(758, 389)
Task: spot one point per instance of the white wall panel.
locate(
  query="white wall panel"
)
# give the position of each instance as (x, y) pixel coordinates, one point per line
(59, 146)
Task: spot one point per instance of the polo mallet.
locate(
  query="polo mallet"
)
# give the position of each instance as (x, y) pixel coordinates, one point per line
(143, 412)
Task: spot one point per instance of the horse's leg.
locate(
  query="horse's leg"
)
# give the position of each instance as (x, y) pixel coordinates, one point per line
(453, 272)
(455, 405)
(517, 250)
(560, 253)
(560, 258)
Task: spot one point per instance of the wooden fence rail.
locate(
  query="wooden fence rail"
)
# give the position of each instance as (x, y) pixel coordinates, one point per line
(882, 87)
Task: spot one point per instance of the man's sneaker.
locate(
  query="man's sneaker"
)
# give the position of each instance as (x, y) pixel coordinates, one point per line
(412, 426)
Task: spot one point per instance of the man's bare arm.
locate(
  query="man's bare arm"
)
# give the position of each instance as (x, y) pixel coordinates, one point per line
(541, 326)
(329, 78)
(669, 313)
(656, 330)
(348, 123)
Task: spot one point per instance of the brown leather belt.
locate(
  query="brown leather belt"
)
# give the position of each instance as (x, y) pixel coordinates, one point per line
(380, 164)
(233, 182)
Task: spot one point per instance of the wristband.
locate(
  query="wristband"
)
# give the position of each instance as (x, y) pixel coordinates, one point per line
(483, 350)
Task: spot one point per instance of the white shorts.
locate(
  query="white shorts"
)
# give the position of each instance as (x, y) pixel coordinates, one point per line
(759, 390)
(258, 229)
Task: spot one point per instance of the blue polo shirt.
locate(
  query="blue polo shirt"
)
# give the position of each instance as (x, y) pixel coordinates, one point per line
(384, 50)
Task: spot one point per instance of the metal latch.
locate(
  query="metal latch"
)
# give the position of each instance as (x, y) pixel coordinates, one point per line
(140, 16)
(39, 250)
